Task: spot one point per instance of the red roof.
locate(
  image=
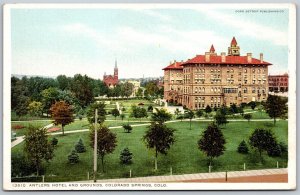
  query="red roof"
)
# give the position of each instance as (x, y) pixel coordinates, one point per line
(228, 60)
(175, 65)
(212, 49)
(233, 41)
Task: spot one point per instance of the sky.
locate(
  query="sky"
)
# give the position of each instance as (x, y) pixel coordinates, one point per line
(52, 42)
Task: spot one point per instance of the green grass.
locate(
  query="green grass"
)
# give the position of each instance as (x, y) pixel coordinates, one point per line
(20, 132)
(184, 156)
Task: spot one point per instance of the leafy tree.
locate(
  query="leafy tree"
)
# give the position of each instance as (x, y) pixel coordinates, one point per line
(115, 112)
(79, 147)
(100, 106)
(37, 147)
(21, 166)
(160, 138)
(252, 104)
(240, 110)
(127, 89)
(126, 156)
(276, 107)
(177, 112)
(35, 108)
(152, 89)
(139, 93)
(212, 142)
(233, 108)
(106, 141)
(224, 110)
(138, 112)
(127, 128)
(220, 119)
(190, 115)
(54, 141)
(199, 113)
(62, 113)
(22, 106)
(208, 109)
(248, 117)
(82, 87)
(73, 157)
(161, 115)
(64, 83)
(243, 148)
(262, 140)
(274, 150)
(122, 116)
(49, 97)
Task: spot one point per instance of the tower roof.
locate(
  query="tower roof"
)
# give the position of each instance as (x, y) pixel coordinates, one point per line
(212, 49)
(116, 66)
(233, 41)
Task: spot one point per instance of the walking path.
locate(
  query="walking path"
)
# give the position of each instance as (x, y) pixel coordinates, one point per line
(196, 176)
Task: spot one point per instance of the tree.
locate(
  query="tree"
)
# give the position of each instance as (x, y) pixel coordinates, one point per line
(122, 116)
(139, 93)
(212, 142)
(64, 83)
(37, 147)
(106, 141)
(160, 138)
(138, 112)
(252, 104)
(62, 113)
(126, 156)
(21, 166)
(22, 106)
(190, 115)
(248, 117)
(100, 106)
(199, 113)
(115, 112)
(240, 110)
(127, 89)
(177, 112)
(152, 89)
(243, 148)
(127, 128)
(82, 87)
(49, 97)
(220, 119)
(262, 140)
(79, 147)
(275, 150)
(233, 108)
(35, 108)
(208, 109)
(73, 157)
(161, 115)
(276, 107)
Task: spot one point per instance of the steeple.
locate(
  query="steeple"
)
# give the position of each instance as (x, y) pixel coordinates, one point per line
(234, 49)
(212, 49)
(116, 66)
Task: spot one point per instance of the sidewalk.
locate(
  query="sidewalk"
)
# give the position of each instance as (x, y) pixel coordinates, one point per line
(197, 176)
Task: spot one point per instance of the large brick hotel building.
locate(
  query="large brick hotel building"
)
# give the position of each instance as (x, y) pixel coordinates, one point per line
(217, 80)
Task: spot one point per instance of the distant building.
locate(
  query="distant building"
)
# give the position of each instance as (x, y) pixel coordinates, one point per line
(217, 80)
(111, 80)
(278, 83)
(136, 86)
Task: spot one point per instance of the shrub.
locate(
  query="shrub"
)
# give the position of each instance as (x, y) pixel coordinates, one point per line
(20, 166)
(150, 108)
(126, 156)
(54, 141)
(127, 128)
(73, 157)
(274, 150)
(243, 148)
(79, 147)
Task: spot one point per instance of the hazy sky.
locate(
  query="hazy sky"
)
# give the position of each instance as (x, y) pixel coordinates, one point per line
(68, 41)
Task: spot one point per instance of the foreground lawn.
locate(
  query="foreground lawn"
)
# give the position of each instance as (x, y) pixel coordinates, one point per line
(184, 156)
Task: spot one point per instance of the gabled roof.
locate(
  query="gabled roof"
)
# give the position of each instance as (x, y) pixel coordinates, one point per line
(174, 66)
(228, 60)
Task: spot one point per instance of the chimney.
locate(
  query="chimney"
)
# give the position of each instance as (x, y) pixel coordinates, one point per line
(207, 56)
(261, 57)
(249, 57)
(223, 57)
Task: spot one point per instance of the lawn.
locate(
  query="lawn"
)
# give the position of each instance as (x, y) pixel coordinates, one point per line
(184, 156)
(26, 124)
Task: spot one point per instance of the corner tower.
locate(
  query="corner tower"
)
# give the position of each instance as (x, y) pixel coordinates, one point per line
(234, 49)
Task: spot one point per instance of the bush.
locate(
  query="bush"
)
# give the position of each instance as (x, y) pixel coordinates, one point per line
(127, 128)
(54, 141)
(73, 157)
(79, 147)
(20, 166)
(274, 151)
(243, 148)
(126, 156)
(150, 108)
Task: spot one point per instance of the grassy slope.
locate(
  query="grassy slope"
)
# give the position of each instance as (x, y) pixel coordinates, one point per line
(184, 156)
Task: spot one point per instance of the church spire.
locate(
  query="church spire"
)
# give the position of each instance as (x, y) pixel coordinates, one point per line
(116, 63)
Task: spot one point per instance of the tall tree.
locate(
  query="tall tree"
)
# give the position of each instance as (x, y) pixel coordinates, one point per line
(100, 106)
(106, 141)
(212, 142)
(37, 146)
(62, 113)
(161, 115)
(276, 107)
(139, 93)
(127, 89)
(82, 87)
(64, 82)
(262, 140)
(152, 89)
(160, 138)
(49, 97)
(35, 108)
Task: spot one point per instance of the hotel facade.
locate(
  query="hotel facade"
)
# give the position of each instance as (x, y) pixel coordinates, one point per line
(217, 80)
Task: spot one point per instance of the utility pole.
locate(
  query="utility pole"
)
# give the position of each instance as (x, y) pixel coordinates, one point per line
(95, 146)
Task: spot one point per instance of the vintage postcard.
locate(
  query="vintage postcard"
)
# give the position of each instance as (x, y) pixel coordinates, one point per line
(149, 96)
